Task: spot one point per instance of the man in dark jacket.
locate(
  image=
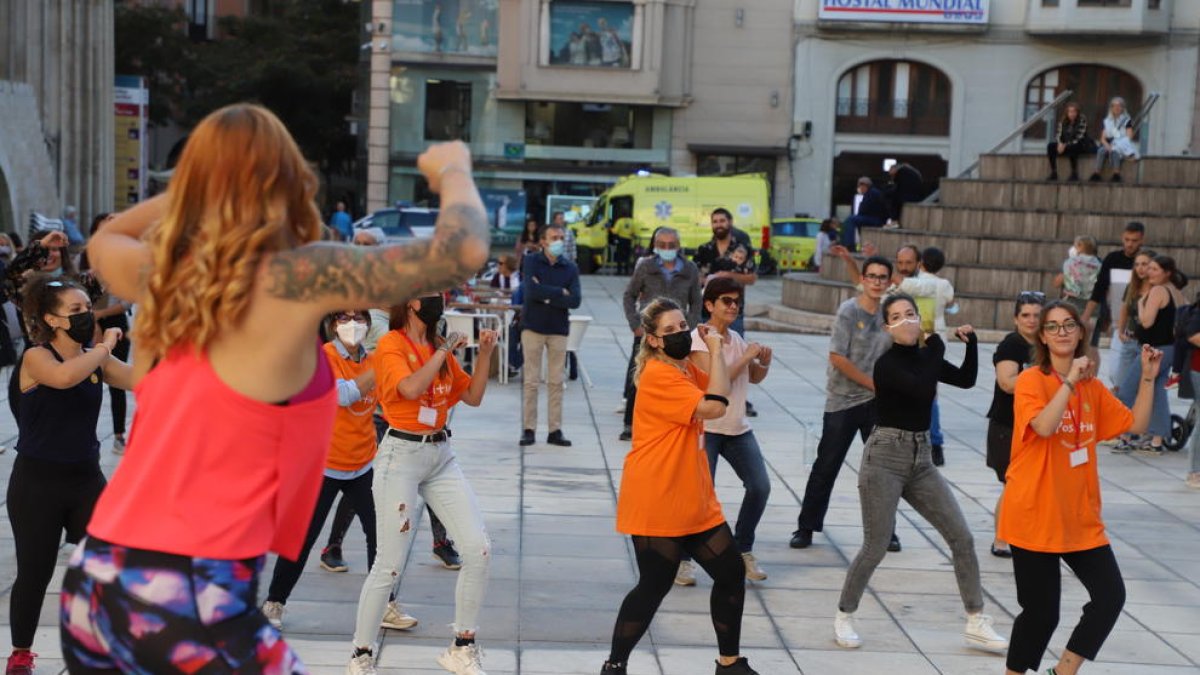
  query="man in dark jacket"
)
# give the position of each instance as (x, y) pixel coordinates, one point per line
(550, 284)
(907, 186)
(872, 212)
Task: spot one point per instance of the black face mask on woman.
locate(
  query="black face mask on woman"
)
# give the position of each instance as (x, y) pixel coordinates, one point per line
(83, 327)
(431, 310)
(677, 345)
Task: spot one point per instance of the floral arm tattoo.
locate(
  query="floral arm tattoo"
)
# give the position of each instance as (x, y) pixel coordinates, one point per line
(380, 276)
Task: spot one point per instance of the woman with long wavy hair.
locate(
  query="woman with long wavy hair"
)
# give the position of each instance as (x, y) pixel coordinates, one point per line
(236, 399)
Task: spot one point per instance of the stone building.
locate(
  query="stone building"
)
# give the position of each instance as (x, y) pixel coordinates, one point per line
(56, 102)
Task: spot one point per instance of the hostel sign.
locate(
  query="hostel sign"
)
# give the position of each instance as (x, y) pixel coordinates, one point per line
(945, 12)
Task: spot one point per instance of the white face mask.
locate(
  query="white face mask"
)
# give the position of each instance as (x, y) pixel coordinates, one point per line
(352, 333)
(1072, 252)
(901, 322)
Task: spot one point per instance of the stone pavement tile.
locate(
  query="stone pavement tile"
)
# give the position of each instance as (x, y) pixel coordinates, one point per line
(678, 628)
(566, 659)
(1139, 591)
(878, 635)
(408, 654)
(785, 605)
(825, 661)
(702, 660)
(946, 637)
(977, 663)
(1167, 618)
(553, 568)
(1140, 648)
(554, 624)
(580, 547)
(1186, 643)
(579, 594)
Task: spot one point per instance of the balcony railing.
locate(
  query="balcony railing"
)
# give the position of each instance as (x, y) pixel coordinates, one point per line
(893, 116)
(1132, 18)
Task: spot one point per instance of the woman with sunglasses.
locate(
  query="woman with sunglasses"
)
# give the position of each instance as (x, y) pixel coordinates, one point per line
(349, 466)
(56, 477)
(420, 380)
(667, 503)
(897, 462)
(236, 397)
(1051, 506)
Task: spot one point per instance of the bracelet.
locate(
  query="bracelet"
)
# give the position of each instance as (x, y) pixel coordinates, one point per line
(1069, 385)
(1147, 379)
(718, 398)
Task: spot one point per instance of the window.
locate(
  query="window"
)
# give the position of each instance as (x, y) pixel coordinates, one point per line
(1094, 87)
(1105, 3)
(447, 110)
(199, 13)
(589, 125)
(732, 165)
(892, 97)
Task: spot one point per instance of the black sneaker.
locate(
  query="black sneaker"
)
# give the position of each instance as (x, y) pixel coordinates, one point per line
(626, 434)
(527, 437)
(1053, 176)
(611, 669)
(1095, 178)
(894, 544)
(938, 456)
(1116, 178)
(557, 438)
(331, 560)
(801, 539)
(750, 411)
(444, 552)
(1073, 178)
(739, 667)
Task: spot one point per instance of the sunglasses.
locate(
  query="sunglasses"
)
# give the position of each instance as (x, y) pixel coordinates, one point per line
(346, 318)
(1032, 295)
(1064, 328)
(729, 301)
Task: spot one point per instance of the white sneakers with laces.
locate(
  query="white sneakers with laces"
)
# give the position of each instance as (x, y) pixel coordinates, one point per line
(363, 664)
(753, 571)
(844, 632)
(465, 660)
(980, 634)
(395, 618)
(686, 574)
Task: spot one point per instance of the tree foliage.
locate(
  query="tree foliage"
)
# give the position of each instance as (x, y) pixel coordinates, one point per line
(297, 58)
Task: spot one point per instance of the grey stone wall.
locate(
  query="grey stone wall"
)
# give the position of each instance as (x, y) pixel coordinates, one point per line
(26, 170)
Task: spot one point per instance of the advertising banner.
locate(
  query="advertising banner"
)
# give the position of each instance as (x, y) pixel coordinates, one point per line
(597, 34)
(131, 102)
(950, 12)
(445, 26)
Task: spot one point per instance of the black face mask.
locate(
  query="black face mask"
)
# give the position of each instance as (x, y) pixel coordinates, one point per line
(83, 327)
(431, 310)
(677, 345)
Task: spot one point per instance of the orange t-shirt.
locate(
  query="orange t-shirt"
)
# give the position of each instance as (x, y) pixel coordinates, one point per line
(666, 488)
(353, 445)
(1050, 506)
(396, 359)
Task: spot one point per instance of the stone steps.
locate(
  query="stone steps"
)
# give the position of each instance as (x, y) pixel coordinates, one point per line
(1106, 198)
(1060, 226)
(991, 280)
(1163, 171)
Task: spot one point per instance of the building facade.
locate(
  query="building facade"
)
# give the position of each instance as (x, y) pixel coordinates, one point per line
(908, 80)
(563, 97)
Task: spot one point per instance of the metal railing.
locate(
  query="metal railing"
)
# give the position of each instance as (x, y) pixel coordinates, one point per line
(1142, 122)
(1047, 109)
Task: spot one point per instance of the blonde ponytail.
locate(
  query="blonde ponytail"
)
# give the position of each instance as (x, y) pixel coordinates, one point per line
(649, 316)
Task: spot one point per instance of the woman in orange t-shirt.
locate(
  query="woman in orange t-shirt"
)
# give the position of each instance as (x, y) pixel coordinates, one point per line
(667, 503)
(1050, 512)
(419, 381)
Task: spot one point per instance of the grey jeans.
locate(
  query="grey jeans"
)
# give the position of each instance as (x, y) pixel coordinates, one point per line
(1195, 444)
(895, 464)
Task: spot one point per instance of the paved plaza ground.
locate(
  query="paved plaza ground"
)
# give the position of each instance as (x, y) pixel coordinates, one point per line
(559, 571)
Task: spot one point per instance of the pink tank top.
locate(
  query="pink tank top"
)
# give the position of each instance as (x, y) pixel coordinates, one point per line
(210, 473)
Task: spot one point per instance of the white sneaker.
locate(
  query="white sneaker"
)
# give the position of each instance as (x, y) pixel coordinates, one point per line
(465, 660)
(980, 634)
(753, 571)
(274, 613)
(1193, 480)
(844, 632)
(363, 664)
(396, 619)
(686, 574)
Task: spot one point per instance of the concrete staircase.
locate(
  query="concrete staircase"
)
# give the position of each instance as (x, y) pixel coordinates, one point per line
(1009, 230)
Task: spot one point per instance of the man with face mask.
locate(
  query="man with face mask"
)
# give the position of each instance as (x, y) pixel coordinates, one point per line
(550, 284)
(662, 275)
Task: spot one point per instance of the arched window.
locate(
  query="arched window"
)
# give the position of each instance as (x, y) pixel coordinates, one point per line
(1094, 87)
(894, 97)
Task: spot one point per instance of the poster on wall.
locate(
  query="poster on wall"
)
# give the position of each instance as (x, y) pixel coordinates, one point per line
(131, 102)
(596, 34)
(505, 208)
(966, 12)
(445, 26)
(575, 209)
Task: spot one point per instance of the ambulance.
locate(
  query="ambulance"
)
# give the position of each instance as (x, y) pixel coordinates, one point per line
(683, 203)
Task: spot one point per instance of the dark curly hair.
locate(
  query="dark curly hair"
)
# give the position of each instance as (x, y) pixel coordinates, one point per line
(43, 295)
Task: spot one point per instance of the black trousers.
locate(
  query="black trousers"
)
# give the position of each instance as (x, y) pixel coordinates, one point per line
(1039, 590)
(837, 434)
(45, 500)
(117, 396)
(356, 492)
(1071, 152)
(630, 387)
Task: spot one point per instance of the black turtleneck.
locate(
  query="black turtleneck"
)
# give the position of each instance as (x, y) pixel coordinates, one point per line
(906, 380)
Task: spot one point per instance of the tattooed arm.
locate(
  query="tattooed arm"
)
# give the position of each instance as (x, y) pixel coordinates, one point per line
(337, 276)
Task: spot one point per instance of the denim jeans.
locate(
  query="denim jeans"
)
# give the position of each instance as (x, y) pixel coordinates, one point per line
(854, 223)
(1195, 444)
(1160, 417)
(935, 425)
(405, 473)
(897, 464)
(743, 454)
(1123, 356)
(837, 434)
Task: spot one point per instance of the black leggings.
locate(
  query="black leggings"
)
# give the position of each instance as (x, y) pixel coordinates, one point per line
(45, 499)
(1039, 589)
(1072, 153)
(117, 396)
(658, 560)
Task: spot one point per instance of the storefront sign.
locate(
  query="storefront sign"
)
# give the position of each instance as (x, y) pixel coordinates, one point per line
(131, 99)
(969, 12)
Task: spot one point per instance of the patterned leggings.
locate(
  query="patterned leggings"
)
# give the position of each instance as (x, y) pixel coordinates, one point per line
(136, 611)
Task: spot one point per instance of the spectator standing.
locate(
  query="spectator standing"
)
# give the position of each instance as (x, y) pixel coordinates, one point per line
(1011, 357)
(939, 294)
(872, 211)
(725, 241)
(857, 342)
(342, 222)
(621, 236)
(1116, 141)
(1079, 272)
(527, 241)
(1115, 272)
(570, 248)
(1192, 334)
(550, 285)
(663, 275)
(906, 186)
(1051, 506)
(1070, 141)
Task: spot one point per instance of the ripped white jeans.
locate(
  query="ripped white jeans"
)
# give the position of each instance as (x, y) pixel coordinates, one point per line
(405, 473)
